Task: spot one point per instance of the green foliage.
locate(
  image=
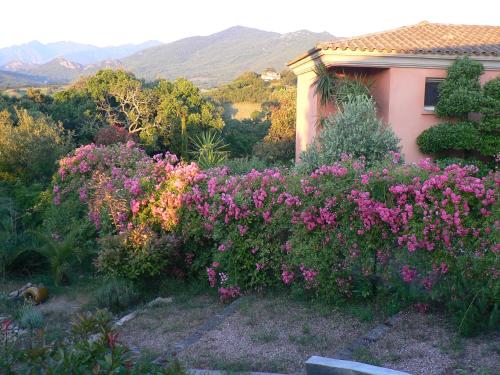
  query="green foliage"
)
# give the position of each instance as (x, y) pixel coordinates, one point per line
(279, 144)
(332, 88)
(30, 146)
(92, 347)
(77, 111)
(121, 99)
(240, 166)
(355, 130)
(116, 295)
(483, 168)
(139, 254)
(62, 254)
(489, 126)
(182, 113)
(209, 150)
(30, 317)
(481, 137)
(242, 136)
(460, 93)
(13, 240)
(248, 87)
(463, 136)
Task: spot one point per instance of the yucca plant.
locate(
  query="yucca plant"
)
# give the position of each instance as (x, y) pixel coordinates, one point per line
(209, 149)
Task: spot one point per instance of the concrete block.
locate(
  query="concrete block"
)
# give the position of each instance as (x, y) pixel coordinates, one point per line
(328, 366)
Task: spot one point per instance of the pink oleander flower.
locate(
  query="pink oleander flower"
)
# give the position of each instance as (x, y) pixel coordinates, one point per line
(408, 274)
(308, 274)
(242, 229)
(135, 206)
(230, 292)
(212, 277)
(287, 276)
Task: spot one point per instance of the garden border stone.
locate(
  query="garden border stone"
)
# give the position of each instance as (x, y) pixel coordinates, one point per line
(328, 366)
(373, 335)
(209, 325)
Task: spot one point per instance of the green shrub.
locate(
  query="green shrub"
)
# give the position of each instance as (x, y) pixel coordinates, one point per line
(279, 144)
(355, 130)
(116, 295)
(30, 317)
(244, 165)
(242, 136)
(140, 253)
(91, 347)
(490, 110)
(490, 121)
(460, 93)
(30, 146)
(463, 136)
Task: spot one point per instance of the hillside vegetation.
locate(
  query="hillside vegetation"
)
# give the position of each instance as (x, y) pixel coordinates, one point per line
(208, 61)
(218, 58)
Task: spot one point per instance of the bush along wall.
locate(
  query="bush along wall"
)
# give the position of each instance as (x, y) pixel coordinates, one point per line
(460, 94)
(343, 232)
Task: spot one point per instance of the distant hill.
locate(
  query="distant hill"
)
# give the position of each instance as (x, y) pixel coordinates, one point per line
(60, 70)
(219, 58)
(16, 79)
(206, 60)
(38, 53)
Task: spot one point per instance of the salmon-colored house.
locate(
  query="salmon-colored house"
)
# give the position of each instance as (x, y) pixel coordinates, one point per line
(405, 66)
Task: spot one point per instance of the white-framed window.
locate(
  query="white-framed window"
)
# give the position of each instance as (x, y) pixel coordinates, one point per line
(431, 93)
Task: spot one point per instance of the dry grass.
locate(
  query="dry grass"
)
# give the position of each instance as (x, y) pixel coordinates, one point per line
(427, 345)
(156, 329)
(273, 334)
(241, 111)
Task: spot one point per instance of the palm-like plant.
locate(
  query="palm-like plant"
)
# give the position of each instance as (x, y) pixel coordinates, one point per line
(326, 83)
(62, 254)
(209, 149)
(12, 241)
(334, 89)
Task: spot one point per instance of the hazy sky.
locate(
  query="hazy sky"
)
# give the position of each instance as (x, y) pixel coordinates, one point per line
(110, 22)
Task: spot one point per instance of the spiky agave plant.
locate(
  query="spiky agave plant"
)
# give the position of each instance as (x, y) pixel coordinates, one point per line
(209, 149)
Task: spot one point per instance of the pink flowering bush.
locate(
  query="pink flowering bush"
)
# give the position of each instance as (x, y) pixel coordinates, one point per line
(419, 233)
(132, 199)
(241, 219)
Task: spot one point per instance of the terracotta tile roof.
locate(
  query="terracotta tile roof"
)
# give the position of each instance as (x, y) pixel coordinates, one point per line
(425, 38)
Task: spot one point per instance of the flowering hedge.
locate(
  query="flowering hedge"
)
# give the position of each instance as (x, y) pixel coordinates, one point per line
(423, 233)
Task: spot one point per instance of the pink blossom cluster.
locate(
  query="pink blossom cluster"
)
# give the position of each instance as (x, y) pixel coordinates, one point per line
(339, 219)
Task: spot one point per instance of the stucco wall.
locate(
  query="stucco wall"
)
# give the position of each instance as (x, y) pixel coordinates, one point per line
(307, 112)
(381, 81)
(399, 93)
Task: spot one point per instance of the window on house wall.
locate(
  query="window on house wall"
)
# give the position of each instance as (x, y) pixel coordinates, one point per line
(431, 93)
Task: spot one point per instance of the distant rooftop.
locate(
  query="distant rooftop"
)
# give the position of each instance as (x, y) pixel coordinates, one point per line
(426, 38)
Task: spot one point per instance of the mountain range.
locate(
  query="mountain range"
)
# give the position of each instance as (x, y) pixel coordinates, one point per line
(206, 60)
